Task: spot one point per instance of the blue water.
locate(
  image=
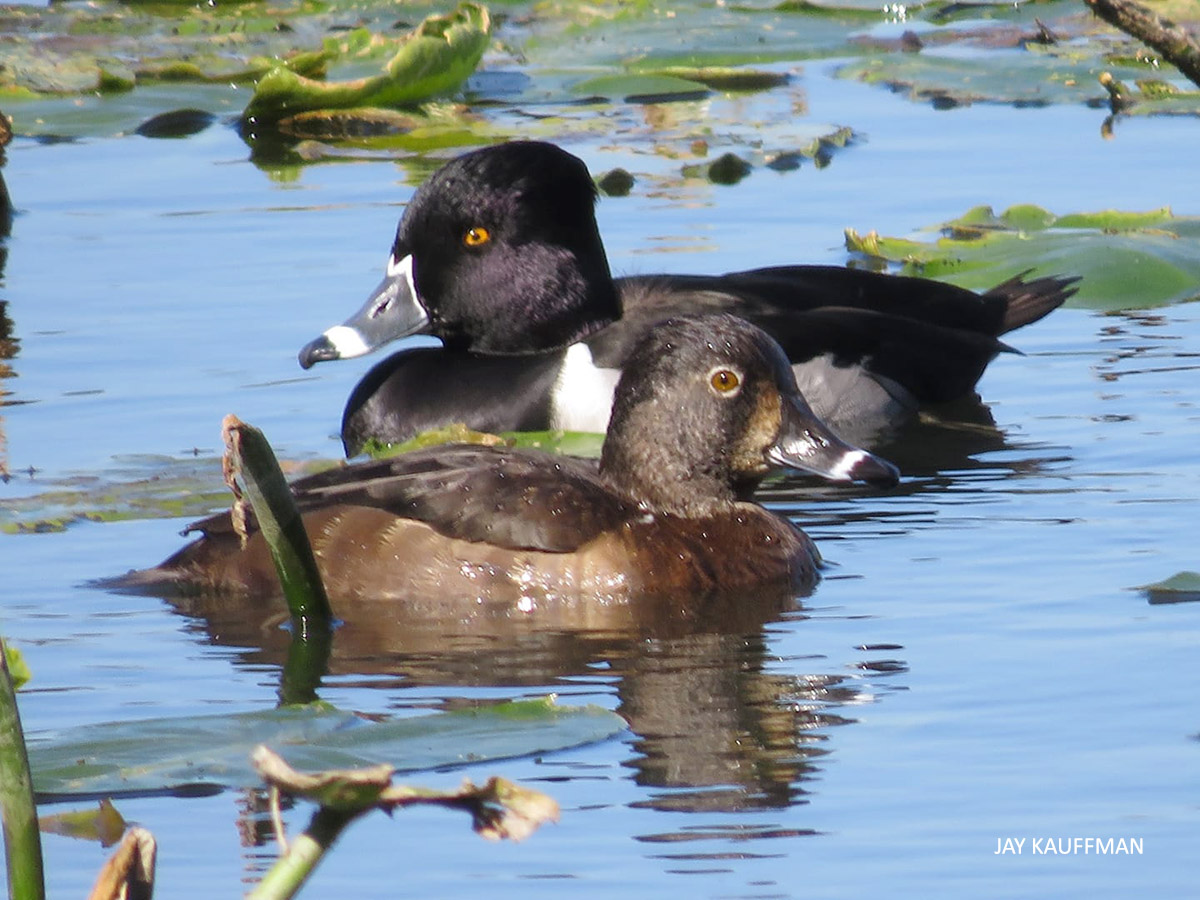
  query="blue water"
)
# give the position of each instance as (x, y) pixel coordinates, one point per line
(977, 664)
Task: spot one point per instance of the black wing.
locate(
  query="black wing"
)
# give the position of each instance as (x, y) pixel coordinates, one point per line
(934, 339)
(792, 289)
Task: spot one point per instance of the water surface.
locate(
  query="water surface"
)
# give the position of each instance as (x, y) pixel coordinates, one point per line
(977, 664)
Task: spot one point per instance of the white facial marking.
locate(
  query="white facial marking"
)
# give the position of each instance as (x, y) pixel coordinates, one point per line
(843, 469)
(347, 342)
(400, 266)
(582, 395)
(403, 268)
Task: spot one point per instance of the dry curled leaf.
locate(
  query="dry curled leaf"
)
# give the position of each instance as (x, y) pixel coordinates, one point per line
(499, 809)
(506, 810)
(129, 872)
(349, 790)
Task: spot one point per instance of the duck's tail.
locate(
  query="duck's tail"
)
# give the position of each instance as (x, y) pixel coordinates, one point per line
(1027, 301)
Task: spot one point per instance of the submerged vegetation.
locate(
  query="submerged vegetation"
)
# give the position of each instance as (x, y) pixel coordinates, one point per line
(352, 71)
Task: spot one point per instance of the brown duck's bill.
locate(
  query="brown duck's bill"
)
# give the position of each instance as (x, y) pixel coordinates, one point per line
(394, 310)
(806, 443)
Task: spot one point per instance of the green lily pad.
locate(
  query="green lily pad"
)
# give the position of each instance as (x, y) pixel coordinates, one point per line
(642, 88)
(437, 57)
(104, 824)
(157, 487)
(866, 10)
(569, 443)
(104, 68)
(645, 36)
(140, 488)
(1182, 587)
(137, 487)
(1126, 260)
(1150, 97)
(1000, 55)
(725, 78)
(214, 751)
(66, 49)
(1014, 76)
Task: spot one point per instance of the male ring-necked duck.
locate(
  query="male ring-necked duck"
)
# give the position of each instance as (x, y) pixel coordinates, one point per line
(499, 256)
(706, 406)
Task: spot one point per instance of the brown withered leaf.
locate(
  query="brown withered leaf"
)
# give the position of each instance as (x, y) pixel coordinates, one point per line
(129, 872)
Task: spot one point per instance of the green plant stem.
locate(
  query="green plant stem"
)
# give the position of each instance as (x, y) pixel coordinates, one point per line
(306, 664)
(292, 869)
(281, 526)
(22, 843)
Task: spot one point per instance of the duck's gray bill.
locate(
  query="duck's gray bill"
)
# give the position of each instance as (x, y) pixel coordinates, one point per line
(394, 310)
(807, 444)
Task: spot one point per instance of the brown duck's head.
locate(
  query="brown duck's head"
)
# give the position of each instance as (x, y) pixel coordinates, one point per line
(705, 408)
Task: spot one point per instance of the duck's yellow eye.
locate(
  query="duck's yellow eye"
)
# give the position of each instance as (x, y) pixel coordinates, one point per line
(724, 380)
(477, 236)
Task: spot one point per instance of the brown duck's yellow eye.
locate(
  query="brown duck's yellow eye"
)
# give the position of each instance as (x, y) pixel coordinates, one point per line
(477, 236)
(724, 380)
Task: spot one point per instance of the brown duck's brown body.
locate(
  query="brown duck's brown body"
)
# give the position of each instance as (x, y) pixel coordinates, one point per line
(367, 553)
(705, 408)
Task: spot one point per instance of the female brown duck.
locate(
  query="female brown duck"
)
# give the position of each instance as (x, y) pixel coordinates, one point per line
(705, 408)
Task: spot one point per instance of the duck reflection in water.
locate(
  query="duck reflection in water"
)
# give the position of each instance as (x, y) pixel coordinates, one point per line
(717, 725)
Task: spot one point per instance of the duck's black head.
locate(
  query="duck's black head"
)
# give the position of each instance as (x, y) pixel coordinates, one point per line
(498, 252)
(705, 408)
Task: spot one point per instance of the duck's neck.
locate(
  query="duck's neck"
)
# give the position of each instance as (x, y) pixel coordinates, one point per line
(584, 297)
(664, 475)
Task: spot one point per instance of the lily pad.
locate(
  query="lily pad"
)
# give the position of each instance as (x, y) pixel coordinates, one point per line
(1126, 260)
(1182, 587)
(649, 36)
(85, 69)
(1006, 56)
(1149, 97)
(437, 57)
(570, 443)
(66, 49)
(104, 824)
(178, 754)
(865, 9)
(726, 78)
(139, 487)
(953, 77)
(649, 88)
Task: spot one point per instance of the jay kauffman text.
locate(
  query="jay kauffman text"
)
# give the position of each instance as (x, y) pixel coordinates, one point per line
(1070, 846)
